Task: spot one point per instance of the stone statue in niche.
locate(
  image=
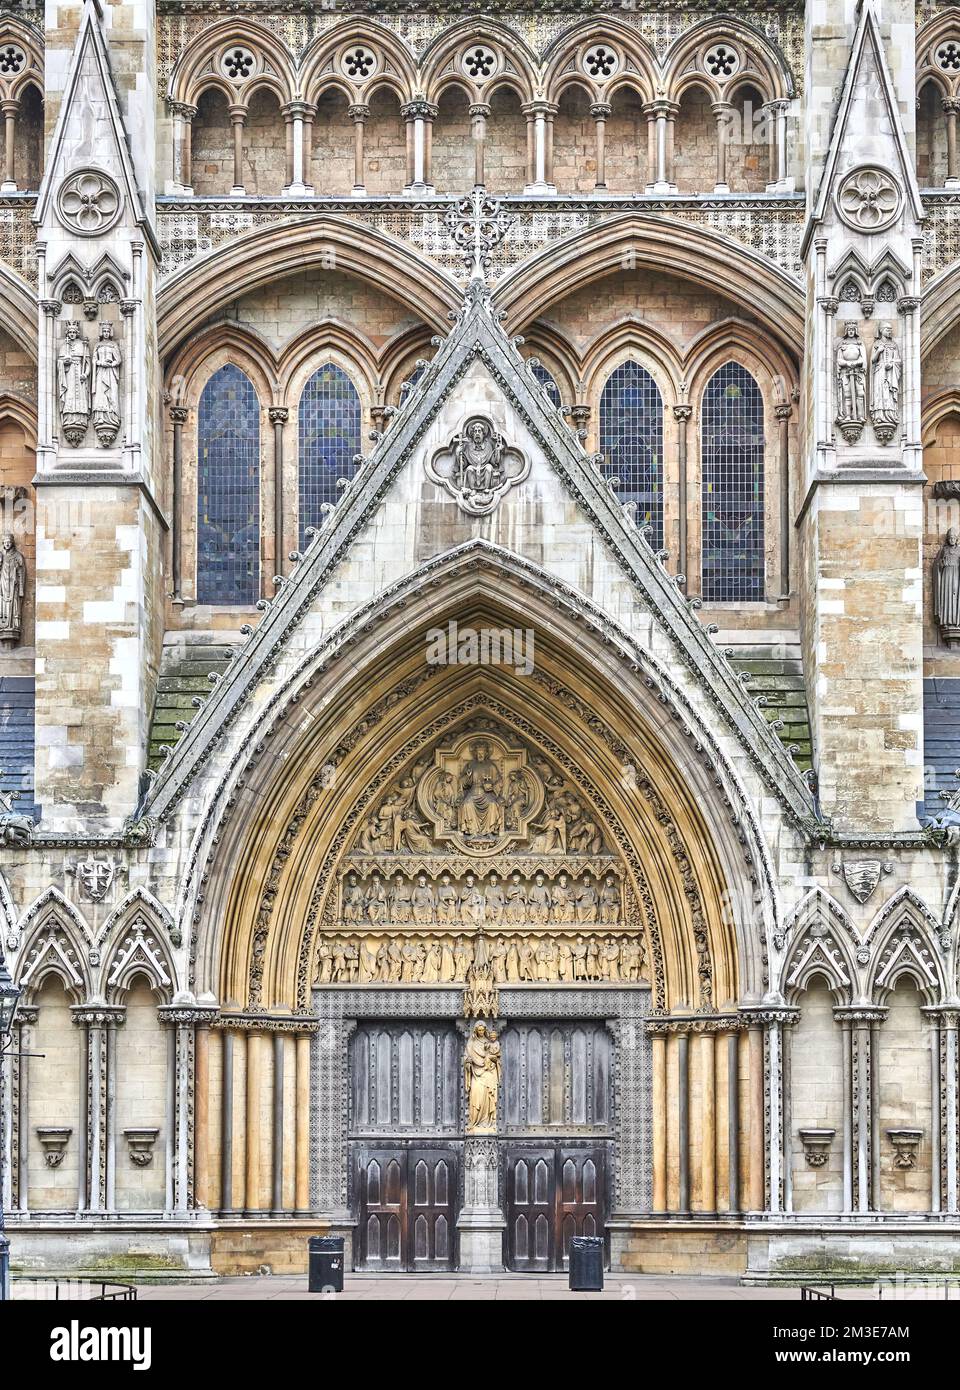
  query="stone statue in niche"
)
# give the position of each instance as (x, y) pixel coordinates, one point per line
(107, 361)
(946, 588)
(13, 583)
(477, 467)
(851, 384)
(73, 385)
(886, 374)
(481, 1066)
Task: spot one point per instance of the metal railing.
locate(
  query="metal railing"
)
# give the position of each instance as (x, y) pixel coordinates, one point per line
(808, 1294)
(80, 1290)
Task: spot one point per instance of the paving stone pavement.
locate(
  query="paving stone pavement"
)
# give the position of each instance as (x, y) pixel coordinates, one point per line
(438, 1288)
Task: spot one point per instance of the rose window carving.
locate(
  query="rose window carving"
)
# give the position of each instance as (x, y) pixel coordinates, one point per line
(358, 63)
(948, 56)
(88, 202)
(721, 60)
(868, 200)
(601, 61)
(12, 58)
(238, 63)
(479, 62)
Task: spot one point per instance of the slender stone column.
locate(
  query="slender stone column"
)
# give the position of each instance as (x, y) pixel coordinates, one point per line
(201, 1109)
(722, 111)
(297, 115)
(279, 1042)
(600, 111)
(479, 112)
(183, 115)
(708, 1121)
(178, 415)
(255, 1044)
(238, 117)
(10, 109)
(733, 1121)
(682, 413)
(951, 106)
(419, 116)
(659, 1050)
(755, 1199)
(96, 1020)
(776, 112)
(783, 413)
(683, 1100)
(359, 114)
(302, 1198)
(279, 414)
(660, 145)
(861, 1139)
(540, 115)
(944, 1108)
(16, 1194)
(227, 1204)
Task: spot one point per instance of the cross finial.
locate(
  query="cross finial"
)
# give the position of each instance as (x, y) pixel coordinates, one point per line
(478, 225)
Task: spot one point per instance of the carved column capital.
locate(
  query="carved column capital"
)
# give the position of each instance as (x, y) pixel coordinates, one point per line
(783, 412)
(683, 411)
(359, 112)
(279, 414)
(600, 110)
(178, 414)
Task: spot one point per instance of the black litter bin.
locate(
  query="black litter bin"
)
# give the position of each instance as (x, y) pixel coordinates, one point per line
(586, 1263)
(325, 1264)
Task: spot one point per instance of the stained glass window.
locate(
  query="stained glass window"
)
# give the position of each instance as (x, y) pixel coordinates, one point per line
(329, 439)
(732, 480)
(228, 490)
(545, 379)
(631, 439)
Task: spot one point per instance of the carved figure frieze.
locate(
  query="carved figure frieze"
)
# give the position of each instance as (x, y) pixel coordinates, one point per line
(13, 586)
(447, 958)
(478, 467)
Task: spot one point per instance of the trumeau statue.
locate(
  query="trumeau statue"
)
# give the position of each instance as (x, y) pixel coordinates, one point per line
(13, 583)
(946, 588)
(107, 360)
(886, 373)
(481, 1068)
(73, 385)
(851, 383)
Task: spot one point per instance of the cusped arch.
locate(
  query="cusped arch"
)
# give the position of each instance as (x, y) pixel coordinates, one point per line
(565, 61)
(760, 62)
(324, 63)
(274, 253)
(55, 940)
(189, 370)
(18, 308)
(697, 255)
(135, 940)
(942, 28)
(515, 58)
(904, 938)
(13, 82)
(199, 67)
(819, 944)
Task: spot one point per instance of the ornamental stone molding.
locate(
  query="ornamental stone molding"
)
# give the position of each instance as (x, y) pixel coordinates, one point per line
(869, 199)
(88, 202)
(53, 1142)
(816, 1145)
(906, 1145)
(140, 1144)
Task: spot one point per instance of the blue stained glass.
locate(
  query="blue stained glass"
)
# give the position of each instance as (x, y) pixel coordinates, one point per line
(545, 379)
(732, 487)
(228, 490)
(329, 439)
(631, 438)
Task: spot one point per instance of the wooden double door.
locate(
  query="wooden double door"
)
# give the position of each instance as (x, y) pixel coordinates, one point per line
(553, 1192)
(406, 1207)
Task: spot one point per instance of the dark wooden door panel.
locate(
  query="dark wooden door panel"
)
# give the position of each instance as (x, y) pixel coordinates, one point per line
(406, 1208)
(553, 1192)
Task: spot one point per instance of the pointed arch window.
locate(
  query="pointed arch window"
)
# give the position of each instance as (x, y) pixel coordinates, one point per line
(631, 439)
(329, 435)
(228, 490)
(732, 448)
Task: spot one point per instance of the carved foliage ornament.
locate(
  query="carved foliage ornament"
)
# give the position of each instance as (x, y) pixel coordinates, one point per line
(869, 199)
(88, 202)
(478, 468)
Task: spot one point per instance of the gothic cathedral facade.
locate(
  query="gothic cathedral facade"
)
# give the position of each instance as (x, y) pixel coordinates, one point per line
(480, 634)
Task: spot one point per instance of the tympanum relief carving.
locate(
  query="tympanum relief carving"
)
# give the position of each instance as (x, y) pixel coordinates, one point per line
(478, 467)
(481, 855)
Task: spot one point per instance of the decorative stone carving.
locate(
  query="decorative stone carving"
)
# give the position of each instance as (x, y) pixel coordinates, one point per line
(73, 385)
(481, 1069)
(868, 199)
(477, 225)
(13, 585)
(54, 1142)
(107, 361)
(140, 1144)
(850, 368)
(95, 876)
(88, 202)
(721, 61)
(886, 374)
(601, 61)
(946, 588)
(478, 468)
(15, 829)
(905, 1143)
(816, 1145)
(862, 875)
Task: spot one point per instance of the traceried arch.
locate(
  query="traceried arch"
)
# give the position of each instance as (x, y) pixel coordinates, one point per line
(228, 490)
(820, 949)
(732, 487)
(631, 439)
(329, 438)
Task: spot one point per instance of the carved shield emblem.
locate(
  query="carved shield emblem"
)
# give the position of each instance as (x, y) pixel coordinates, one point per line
(861, 876)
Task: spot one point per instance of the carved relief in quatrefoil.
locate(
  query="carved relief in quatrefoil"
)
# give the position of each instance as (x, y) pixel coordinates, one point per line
(478, 467)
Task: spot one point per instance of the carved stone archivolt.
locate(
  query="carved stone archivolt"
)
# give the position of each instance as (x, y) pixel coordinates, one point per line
(481, 859)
